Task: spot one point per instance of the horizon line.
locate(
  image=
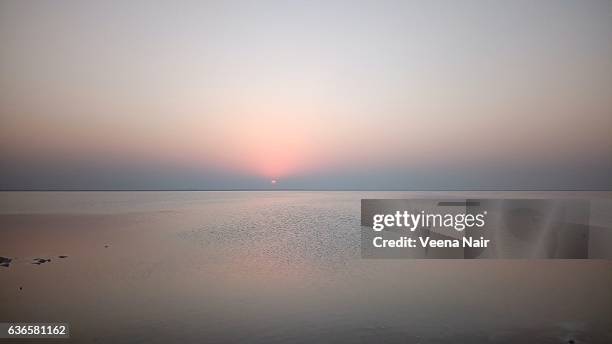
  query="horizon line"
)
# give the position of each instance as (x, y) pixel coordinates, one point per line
(293, 189)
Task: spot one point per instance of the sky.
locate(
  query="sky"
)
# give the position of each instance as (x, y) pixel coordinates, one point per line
(407, 95)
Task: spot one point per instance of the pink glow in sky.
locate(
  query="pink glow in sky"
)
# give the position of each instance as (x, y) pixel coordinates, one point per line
(220, 94)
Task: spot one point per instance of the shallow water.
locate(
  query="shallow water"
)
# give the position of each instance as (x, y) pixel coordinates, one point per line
(262, 267)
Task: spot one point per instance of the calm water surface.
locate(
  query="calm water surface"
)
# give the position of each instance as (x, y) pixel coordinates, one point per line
(273, 267)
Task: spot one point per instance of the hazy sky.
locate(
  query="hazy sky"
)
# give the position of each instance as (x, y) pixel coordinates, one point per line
(315, 94)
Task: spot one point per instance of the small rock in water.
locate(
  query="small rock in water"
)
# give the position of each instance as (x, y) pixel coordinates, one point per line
(105, 246)
(39, 261)
(5, 261)
(62, 256)
(20, 288)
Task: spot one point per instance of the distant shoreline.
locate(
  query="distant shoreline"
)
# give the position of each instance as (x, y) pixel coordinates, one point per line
(306, 190)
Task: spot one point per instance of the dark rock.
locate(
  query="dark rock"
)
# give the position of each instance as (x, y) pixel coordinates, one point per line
(20, 288)
(4, 260)
(62, 257)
